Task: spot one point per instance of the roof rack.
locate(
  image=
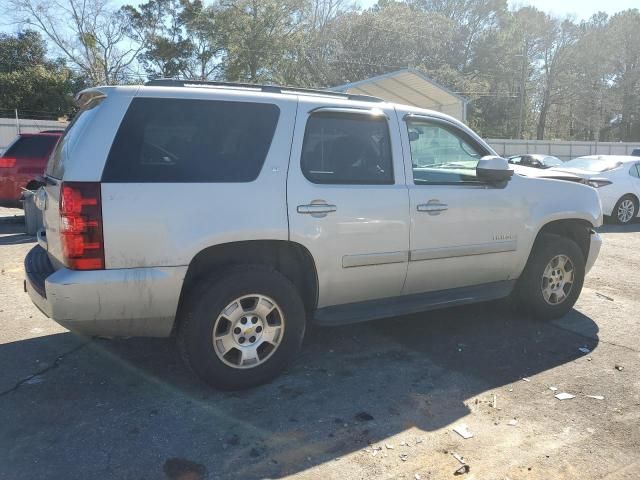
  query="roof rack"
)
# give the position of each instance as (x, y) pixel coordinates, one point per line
(170, 82)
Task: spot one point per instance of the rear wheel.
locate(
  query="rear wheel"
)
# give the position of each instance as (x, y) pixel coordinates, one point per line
(242, 328)
(553, 278)
(625, 210)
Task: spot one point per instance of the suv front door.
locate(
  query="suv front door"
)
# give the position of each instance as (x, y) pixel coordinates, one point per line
(463, 232)
(347, 200)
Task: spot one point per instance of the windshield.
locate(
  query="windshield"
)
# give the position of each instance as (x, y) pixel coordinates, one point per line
(593, 164)
(551, 162)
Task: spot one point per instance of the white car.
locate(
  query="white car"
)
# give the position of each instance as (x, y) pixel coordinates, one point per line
(617, 179)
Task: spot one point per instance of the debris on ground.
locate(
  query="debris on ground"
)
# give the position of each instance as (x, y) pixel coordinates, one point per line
(417, 476)
(364, 417)
(619, 367)
(602, 295)
(462, 470)
(584, 349)
(564, 396)
(513, 423)
(460, 458)
(525, 379)
(596, 397)
(494, 402)
(404, 457)
(553, 389)
(463, 431)
(388, 446)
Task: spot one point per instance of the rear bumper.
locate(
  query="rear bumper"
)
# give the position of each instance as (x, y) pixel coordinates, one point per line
(594, 250)
(120, 302)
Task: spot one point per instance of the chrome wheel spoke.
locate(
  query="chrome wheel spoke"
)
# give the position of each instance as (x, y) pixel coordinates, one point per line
(271, 335)
(263, 308)
(225, 343)
(249, 356)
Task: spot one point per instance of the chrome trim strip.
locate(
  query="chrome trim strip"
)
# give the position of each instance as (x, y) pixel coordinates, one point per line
(462, 250)
(366, 259)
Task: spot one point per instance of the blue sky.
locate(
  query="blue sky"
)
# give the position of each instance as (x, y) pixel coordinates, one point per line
(579, 9)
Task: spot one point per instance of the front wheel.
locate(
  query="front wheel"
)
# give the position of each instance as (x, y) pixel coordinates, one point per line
(242, 328)
(625, 210)
(552, 280)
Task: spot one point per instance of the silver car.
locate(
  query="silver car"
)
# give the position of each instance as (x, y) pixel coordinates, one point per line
(231, 215)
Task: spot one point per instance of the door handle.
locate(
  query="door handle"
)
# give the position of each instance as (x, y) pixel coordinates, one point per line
(316, 209)
(432, 207)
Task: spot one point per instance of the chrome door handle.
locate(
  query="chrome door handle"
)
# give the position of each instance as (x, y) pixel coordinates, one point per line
(433, 207)
(316, 209)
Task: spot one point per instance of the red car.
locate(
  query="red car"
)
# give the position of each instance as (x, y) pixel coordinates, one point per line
(23, 161)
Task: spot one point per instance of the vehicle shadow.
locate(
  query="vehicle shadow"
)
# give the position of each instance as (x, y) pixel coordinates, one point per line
(633, 227)
(133, 405)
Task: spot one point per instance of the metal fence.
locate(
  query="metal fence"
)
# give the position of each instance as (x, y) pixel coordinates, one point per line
(9, 128)
(561, 149)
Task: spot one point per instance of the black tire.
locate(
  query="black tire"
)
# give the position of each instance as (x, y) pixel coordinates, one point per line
(615, 214)
(205, 303)
(529, 291)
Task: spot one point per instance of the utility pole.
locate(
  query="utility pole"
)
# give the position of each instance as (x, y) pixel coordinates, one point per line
(523, 81)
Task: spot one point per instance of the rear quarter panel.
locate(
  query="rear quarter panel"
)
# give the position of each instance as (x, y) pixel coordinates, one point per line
(167, 224)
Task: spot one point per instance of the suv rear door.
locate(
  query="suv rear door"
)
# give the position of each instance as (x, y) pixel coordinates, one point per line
(347, 199)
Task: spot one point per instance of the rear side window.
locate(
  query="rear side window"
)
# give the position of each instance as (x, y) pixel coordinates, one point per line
(178, 140)
(57, 161)
(32, 147)
(347, 149)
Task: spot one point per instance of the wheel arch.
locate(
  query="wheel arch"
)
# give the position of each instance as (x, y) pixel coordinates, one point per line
(291, 259)
(576, 229)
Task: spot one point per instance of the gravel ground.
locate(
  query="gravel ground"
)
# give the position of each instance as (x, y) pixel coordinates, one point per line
(370, 401)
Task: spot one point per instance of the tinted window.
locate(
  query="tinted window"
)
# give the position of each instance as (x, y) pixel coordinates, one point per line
(174, 140)
(32, 147)
(347, 149)
(515, 160)
(441, 153)
(634, 171)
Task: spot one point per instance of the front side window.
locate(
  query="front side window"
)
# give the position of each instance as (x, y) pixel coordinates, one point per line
(194, 141)
(347, 149)
(634, 171)
(441, 153)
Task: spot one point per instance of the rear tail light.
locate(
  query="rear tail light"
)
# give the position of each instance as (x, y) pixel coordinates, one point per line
(81, 225)
(7, 162)
(598, 182)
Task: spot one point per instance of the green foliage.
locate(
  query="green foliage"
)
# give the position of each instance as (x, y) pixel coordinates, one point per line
(31, 83)
(526, 74)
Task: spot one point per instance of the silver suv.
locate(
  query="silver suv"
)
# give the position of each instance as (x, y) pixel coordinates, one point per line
(230, 215)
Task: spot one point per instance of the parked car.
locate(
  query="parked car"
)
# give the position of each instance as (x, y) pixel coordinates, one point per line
(535, 160)
(635, 152)
(22, 162)
(617, 179)
(230, 215)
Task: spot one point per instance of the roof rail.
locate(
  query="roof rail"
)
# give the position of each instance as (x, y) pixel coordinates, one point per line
(170, 82)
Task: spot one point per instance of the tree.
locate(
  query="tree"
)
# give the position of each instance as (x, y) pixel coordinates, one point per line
(31, 83)
(259, 38)
(89, 34)
(556, 48)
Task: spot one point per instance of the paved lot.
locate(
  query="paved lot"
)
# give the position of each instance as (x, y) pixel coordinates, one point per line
(376, 400)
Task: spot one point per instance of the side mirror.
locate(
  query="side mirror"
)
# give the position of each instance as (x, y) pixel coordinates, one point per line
(494, 170)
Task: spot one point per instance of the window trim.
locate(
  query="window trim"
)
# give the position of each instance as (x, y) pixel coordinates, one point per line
(360, 114)
(447, 125)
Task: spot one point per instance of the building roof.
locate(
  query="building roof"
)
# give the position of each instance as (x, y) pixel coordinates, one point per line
(410, 87)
